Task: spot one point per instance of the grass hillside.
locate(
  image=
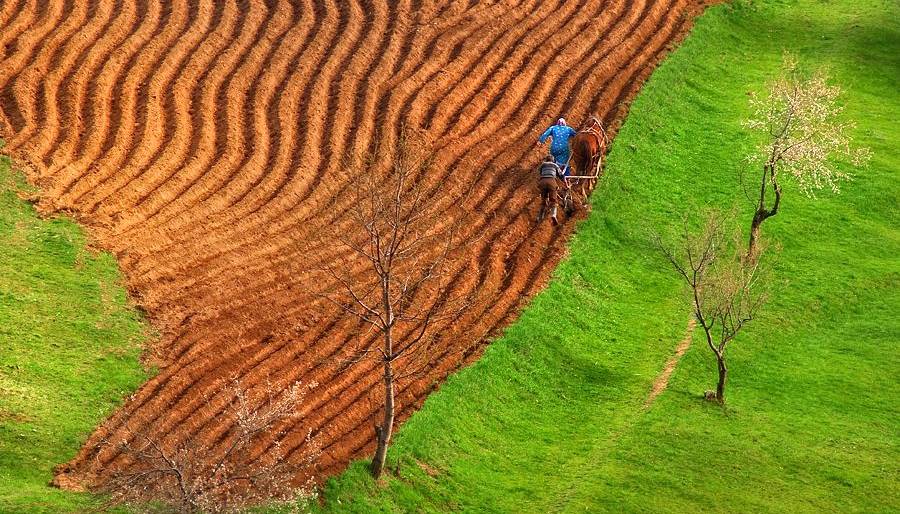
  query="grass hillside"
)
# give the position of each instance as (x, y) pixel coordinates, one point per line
(69, 347)
(551, 419)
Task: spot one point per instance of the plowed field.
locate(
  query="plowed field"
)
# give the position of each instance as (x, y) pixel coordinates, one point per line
(201, 141)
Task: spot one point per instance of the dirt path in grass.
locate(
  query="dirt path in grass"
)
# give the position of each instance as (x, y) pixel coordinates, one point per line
(662, 380)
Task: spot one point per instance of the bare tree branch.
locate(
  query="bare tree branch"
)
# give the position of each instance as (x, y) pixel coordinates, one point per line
(725, 288)
(193, 476)
(400, 237)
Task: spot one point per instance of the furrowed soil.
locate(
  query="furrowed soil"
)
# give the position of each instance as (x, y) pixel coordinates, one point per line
(201, 143)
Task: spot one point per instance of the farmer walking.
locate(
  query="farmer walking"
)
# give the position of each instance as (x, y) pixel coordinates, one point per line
(548, 171)
(559, 145)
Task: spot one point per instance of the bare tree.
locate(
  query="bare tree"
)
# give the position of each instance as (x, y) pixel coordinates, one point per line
(396, 282)
(726, 290)
(801, 132)
(196, 477)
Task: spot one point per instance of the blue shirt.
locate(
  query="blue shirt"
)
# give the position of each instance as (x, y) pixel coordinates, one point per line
(560, 135)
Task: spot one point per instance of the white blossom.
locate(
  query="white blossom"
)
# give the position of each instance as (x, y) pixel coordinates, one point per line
(803, 133)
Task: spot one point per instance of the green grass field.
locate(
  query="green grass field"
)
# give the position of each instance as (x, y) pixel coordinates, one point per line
(69, 347)
(551, 419)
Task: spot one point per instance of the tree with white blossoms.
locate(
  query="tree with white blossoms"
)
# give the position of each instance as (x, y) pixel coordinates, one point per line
(799, 119)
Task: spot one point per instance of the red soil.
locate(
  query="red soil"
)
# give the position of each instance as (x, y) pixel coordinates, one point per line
(199, 141)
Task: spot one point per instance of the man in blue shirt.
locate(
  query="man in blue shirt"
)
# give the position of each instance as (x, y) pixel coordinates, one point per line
(559, 146)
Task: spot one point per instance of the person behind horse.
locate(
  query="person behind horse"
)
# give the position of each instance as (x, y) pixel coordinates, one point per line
(548, 171)
(559, 145)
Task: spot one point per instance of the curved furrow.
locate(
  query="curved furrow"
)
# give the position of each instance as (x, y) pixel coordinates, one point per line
(130, 79)
(21, 72)
(25, 16)
(44, 61)
(513, 42)
(342, 91)
(446, 62)
(204, 191)
(317, 98)
(64, 57)
(512, 104)
(377, 38)
(197, 23)
(473, 141)
(72, 97)
(7, 11)
(267, 79)
(101, 89)
(294, 198)
(254, 44)
(220, 197)
(163, 237)
(374, 76)
(243, 229)
(196, 81)
(151, 124)
(74, 67)
(464, 75)
(155, 118)
(294, 158)
(476, 107)
(328, 38)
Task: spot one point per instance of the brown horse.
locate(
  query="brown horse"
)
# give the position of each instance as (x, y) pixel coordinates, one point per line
(588, 148)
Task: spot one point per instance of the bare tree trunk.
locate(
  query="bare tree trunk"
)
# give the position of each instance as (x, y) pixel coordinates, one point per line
(723, 376)
(758, 218)
(762, 213)
(383, 432)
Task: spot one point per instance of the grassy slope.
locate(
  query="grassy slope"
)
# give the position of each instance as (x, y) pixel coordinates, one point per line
(69, 349)
(551, 418)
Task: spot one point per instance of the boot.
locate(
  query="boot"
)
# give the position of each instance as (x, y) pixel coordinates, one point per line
(553, 216)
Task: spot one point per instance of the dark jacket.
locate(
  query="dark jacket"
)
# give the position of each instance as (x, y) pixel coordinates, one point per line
(548, 170)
